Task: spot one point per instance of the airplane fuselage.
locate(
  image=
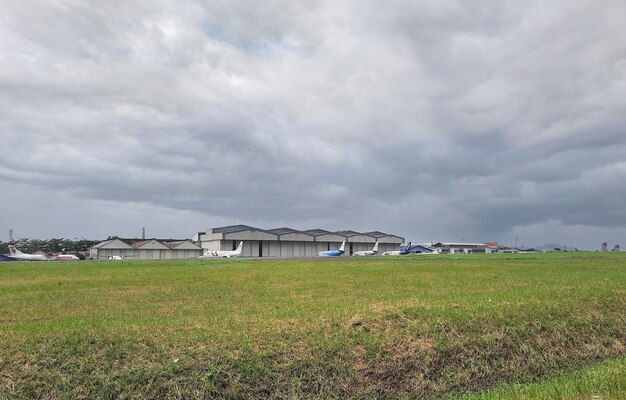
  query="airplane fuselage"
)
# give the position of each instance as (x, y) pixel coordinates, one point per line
(365, 253)
(330, 253)
(219, 253)
(223, 253)
(372, 252)
(333, 253)
(30, 257)
(15, 254)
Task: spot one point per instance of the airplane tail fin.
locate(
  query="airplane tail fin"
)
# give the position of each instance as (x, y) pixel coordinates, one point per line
(343, 246)
(240, 247)
(14, 251)
(375, 249)
(405, 249)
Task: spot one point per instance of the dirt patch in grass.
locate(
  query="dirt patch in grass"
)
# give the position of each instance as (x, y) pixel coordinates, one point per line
(455, 359)
(398, 370)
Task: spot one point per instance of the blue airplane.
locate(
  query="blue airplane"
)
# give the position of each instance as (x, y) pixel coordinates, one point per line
(333, 253)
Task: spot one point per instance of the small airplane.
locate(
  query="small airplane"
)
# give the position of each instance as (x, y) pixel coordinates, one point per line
(18, 255)
(372, 252)
(224, 253)
(333, 253)
(111, 258)
(67, 257)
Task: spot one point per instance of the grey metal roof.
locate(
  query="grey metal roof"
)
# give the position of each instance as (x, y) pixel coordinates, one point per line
(236, 228)
(140, 243)
(309, 232)
(176, 243)
(136, 243)
(125, 240)
(350, 233)
(285, 230)
(97, 246)
(318, 232)
(173, 244)
(378, 234)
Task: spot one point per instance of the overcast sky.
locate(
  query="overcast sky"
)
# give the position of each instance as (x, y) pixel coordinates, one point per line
(433, 120)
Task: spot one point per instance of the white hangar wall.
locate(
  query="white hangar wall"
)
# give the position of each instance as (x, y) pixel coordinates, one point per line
(287, 242)
(151, 249)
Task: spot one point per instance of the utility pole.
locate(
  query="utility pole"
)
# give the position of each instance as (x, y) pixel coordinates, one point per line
(11, 235)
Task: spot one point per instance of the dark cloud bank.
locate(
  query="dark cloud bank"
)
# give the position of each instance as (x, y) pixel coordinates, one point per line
(436, 121)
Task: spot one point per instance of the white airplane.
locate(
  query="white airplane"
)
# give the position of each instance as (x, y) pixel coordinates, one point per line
(393, 253)
(333, 253)
(403, 250)
(18, 255)
(223, 253)
(67, 257)
(372, 252)
(115, 257)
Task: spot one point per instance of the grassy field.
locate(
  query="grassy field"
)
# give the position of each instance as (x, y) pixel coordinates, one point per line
(403, 327)
(605, 381)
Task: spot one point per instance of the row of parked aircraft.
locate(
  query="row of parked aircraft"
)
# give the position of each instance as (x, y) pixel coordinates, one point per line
(408, 249)
(335, 253)
(16, 255)
(341, 250)
(328, 253)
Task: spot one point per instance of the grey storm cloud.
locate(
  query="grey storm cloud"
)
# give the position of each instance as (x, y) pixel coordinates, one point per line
(434, 120)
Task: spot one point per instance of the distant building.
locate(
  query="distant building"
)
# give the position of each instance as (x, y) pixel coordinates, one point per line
(288, 242)
(491, 247)
(453, 248)
(151, 249)
(466, 248)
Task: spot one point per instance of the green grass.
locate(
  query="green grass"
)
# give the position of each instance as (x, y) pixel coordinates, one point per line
(604, 381)
(403, 327)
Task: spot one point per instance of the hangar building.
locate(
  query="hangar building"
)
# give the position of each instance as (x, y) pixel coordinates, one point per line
(287, 242)
(150, 249)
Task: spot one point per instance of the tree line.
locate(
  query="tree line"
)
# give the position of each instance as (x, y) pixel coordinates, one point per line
(50, 246)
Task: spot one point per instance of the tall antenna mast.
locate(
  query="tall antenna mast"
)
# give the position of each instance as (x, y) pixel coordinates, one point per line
(143, 233)
(11, 235)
